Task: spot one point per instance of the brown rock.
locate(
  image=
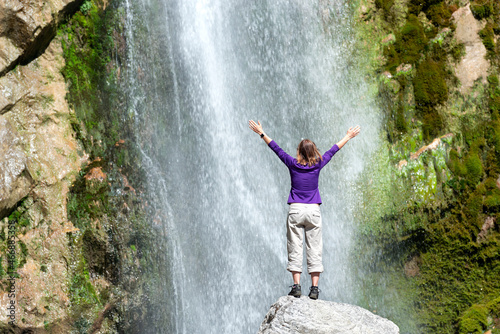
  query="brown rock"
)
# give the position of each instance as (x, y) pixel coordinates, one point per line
(402, 164)
(389, 39)
(412, 267)
(15, 180)
(404, 68)
(473, 65)
(489, 223)
(35, 106)
(432, 146)
(95, 173)
(26, 27)
(387, 74)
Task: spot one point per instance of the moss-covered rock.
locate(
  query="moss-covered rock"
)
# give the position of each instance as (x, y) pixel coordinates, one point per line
(488, 37)
(436, 203)
(410, 42)
(483, 9)
(117, 265)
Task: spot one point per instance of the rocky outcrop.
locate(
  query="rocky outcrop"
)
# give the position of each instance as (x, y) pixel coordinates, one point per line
(42, 151)
(15, 180)
(474, 64)
(432, 146)
(304, 316)
(27, 27)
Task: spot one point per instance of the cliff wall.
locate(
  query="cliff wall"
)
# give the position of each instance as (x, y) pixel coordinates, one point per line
(76, 246)
(429, 228)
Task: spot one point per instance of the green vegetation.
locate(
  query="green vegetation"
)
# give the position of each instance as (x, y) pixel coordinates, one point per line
(410, 42)
(483, 9)
(429, 85)
(385, 5)
(114, 240)
(479, 317)
(430, 91)
(429, 254)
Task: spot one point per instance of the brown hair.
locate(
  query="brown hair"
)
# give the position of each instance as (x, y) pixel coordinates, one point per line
(307, 153)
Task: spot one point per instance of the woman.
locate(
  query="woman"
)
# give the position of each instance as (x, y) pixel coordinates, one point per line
(304, 213)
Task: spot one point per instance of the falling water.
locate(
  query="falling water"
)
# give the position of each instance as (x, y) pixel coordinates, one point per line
(197, 71)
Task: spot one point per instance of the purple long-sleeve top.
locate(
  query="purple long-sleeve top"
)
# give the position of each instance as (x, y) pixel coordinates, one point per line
(304, 178)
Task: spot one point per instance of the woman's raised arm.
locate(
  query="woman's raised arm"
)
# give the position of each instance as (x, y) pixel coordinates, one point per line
(351, 133)
(257, 128)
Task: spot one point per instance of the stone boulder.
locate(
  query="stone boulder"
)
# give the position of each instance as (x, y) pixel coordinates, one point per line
(27, 27)
(15, 180)
(306, 316)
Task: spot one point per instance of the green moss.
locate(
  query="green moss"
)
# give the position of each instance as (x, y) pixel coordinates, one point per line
(430, 85)
(455, 165)
(385, 5)
(456, 273)
(430, 91)
(458, 51)
(482, 9)
(494, 307)
(474, 320)
(86, 7)
(416, 6)
(410, 42)
(494, 95)
(439, 14)
(488, 37)
(400, 120)
(474, 168)
(82, 292)
(109, 215)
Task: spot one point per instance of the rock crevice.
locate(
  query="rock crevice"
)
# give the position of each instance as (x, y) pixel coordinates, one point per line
(26, 29)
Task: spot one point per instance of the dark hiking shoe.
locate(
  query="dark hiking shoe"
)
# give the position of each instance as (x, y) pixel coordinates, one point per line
(314, 293)
(296, 292)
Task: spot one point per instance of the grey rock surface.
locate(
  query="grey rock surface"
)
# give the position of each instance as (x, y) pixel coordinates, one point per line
(306, 316)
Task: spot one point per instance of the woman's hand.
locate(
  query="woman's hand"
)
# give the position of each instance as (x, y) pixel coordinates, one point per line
(353, 131)
(256, 127)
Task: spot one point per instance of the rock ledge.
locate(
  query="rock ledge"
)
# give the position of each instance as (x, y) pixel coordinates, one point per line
(304, 316)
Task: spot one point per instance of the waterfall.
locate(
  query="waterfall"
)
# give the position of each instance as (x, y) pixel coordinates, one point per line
(197, 71)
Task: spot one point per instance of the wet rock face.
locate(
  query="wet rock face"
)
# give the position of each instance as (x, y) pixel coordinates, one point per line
(27, 27)
(15, 180)
(306, 316)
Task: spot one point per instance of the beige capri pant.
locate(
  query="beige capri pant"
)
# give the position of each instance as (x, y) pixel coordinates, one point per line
(304, 218)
